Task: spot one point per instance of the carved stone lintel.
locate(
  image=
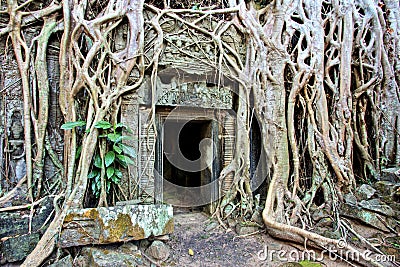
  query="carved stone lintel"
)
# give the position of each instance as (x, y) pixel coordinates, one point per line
(196, 94)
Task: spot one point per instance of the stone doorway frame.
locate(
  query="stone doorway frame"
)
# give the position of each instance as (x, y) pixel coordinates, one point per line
(187, 113)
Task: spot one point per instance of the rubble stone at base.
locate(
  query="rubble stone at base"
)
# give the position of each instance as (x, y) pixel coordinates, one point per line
(158, 250)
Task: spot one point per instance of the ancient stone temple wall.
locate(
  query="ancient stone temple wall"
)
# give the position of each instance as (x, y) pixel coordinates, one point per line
(187, 77)
(12, 149)
(12, 156)
(188, 80)
(189, 100)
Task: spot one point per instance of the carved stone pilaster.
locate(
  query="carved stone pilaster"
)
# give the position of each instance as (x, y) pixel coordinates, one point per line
(130, 117)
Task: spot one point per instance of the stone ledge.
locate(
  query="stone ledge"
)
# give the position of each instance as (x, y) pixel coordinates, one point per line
(115, 224)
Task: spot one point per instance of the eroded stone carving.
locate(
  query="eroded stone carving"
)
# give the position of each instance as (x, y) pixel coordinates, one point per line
(196, 94)
(194, 51)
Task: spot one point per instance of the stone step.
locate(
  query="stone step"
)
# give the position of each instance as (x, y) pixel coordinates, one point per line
(115, 224)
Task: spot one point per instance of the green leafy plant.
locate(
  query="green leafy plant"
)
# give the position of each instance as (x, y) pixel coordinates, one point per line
(117, 156)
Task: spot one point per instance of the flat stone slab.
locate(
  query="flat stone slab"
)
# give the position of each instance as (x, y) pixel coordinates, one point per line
(115, 224)
(368, 217)
(391, 175)
(377, 206)
(103, 257)
(365, 191)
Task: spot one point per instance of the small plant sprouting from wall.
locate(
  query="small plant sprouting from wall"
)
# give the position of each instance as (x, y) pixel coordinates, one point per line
(112, 156)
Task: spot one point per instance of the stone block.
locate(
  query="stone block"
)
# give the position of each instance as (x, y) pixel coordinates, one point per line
(349, 198)
(18, 247)
(384, 188)
(325, 222)
(257, 217)
(64, 262)
(115, 224)
(365, 191)
(377, 206)
(17, 222)
(319, 214)
(103, 257)
(211, 226)
(14, 229)
(128, 248)
(158, 250)
(391, 175)
(368, 217)
(246, 229)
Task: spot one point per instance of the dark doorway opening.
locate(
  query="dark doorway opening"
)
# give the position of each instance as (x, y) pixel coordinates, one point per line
(190, 136)
(257, 167)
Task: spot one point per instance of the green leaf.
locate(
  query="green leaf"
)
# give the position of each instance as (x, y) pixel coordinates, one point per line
(122, 163)
(72, 124)
(122, 125)
(93, 174)
(102, 135)
(97, 180)
(122, 138)
(113, 137)
(110, 172)
(108, 186)
(307, 263)
(94, 187)
(128, 150)
(118, 173)
(103, 125)
(125, 159)
(78, 152)
(115, 179)
(117, 149)
(109, 158)
(97, 162)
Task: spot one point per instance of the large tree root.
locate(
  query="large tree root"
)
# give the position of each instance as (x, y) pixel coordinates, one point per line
(292, 233)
